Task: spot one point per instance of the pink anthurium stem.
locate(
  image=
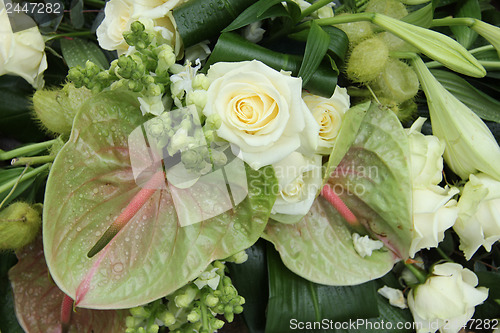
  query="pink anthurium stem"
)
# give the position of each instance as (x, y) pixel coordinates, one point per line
(66, 308)
(132, 208)
(339, 205)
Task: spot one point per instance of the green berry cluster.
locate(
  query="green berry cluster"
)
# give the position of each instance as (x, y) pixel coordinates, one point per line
(144, 71)
(199, 306)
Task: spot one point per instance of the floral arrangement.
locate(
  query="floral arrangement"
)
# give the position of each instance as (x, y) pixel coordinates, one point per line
(279, 165)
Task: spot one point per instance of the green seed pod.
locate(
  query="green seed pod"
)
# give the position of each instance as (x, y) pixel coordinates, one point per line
(367, 60)
(19, 225)
(398, 81)
(392, 8)
(356, 31)
(56, 109)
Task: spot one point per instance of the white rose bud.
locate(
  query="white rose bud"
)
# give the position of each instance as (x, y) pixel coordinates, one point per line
(261, 110)
(478, 222)
(22, 52)
(329, 113)
(446, 300)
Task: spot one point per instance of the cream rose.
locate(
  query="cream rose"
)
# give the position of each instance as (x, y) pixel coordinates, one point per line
(263, 115)
(478, 222)
(22, 52)
(434, 210)
(446, 300)
(120, 14)
(329, 113)
(299, 179)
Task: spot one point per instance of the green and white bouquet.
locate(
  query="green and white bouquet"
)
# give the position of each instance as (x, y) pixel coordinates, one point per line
(265, 163)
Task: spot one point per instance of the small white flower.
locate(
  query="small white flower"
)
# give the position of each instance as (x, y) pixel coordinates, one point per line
(364, 246)
(151, 104)
(253, 32)
(395, 296)
(210, 278)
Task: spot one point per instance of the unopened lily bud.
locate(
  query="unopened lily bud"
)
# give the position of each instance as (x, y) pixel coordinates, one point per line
(19, 225)
(367, 60)
(470, 146)
(490, 32)
(434, 45)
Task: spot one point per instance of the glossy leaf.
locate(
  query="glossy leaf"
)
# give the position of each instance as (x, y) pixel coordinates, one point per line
(373, 181)
(482, 104)
(7, 175)
(258, 11)
(294, 298)
(77, 52)
(92, 181)
(465, 35)
(38, 299)
(316, 47)
(421, 17)
(76, 14)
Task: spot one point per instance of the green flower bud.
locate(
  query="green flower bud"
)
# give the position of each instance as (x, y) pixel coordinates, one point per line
(216, 324)
(238, 258)
(137, 27)
(184, 300)
(167, 318)
(166, 58)
(211, 300)
(197, 98)
(201, 82)
(191, 158)
(91, 69)
(133, 322)
(391, 8)
(229, 315)
(194, 316)
(19, 225)
(141, 330)
(213, 122)
(56, 109)
(140, 312)
(241, 300)
(238, 309)
(367, 60)
(219, 158)
(153, 328)
(135, 86)
(434, 45)
(76, 76)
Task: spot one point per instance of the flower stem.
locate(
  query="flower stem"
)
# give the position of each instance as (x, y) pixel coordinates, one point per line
(32, 160)
(449, 21)
(337, 20)
(417, 272)
(69, 34)
(444, 255)
(66, 307)
(8, 185)
(315, 6)
(13, 187)
(26, 150)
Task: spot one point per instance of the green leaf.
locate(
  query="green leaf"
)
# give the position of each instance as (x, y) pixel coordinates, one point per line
(316, 47)
(465, 35)
(9, 323)
(258, 11)
(490, 280)
(482, 104)
(373, 181)
(38, 300)
(232, 47)
(353, 119)
(10, 174)
(421, 17)
(77, 51)
(92, 180)
(199, 20)
(294, 298)
(76, 14)
(255, 293)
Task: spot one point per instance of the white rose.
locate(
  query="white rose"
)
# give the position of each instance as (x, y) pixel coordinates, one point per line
(21, 53)
(262, 112)
(120, 14)
(478, 220)
(433, 213)
(447, 297)
(299, 179)
(433, 209)
(329, 113)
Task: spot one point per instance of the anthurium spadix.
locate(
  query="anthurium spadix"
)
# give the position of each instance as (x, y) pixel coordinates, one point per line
(470, 146)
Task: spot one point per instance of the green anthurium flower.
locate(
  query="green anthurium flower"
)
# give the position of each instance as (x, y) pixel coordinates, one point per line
(470, 146)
